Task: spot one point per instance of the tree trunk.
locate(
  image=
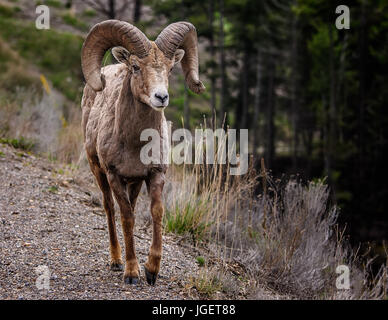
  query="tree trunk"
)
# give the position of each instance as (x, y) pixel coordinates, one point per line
(362, 90)
(294, 92)
(332, 123)
(212, 57)
(137, 11)
(256, 105)
(111, 9)
(186, 109)
(341, 96)
(186, 97)
(222, 63)
(69, 4)
(270, 141)
(326, 138)
(245, 88)
(238, 109)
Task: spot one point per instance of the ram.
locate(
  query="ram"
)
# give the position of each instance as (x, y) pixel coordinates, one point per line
(119, 102)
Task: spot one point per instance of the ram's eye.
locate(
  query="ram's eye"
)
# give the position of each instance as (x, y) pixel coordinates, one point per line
(135, 67)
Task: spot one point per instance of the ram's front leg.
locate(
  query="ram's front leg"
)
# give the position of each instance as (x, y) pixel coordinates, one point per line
(119, 188)
(155, 188)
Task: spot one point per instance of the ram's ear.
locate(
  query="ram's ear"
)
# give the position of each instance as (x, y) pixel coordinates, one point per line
(121, 54)
(179, 53)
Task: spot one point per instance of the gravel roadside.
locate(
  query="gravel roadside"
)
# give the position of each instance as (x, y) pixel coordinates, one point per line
(49, 220)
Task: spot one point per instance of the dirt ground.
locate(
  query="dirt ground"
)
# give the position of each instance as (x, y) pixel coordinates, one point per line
(51, 222)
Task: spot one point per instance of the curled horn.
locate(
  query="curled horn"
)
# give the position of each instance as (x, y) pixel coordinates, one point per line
(104, 36)
(182, 35)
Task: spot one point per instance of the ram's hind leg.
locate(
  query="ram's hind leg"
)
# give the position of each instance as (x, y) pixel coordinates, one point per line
(115, 250)
(133, 192)
(155, 188)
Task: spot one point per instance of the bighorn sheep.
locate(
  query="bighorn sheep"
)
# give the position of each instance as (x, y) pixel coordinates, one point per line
(120, 101)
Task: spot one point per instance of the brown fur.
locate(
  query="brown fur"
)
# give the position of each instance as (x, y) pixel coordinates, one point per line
(112, 121)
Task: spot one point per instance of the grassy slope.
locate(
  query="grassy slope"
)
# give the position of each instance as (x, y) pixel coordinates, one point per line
(56, 54)
(14, 71)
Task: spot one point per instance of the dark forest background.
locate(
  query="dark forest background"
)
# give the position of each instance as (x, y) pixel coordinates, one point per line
(313, 97)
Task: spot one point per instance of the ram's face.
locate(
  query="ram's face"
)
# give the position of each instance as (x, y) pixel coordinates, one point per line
(149, 80)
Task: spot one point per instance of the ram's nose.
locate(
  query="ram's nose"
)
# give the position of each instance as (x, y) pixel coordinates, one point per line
(162, 97)
(159, 98)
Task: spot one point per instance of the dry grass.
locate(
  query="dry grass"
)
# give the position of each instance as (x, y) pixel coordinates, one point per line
(15, 72)
(299, 248)
(200, 198)
(285, 237)
(207, 282)
(70, 140)
(39, 119)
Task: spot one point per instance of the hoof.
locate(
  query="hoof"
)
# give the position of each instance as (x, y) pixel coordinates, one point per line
(131, 280)
(116, 266)
(151, 277)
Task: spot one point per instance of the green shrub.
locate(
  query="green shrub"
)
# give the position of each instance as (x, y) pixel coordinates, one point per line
(53, 3)
(207, 282)
(200, 261)
(13, 72)
(18, 143)
(73, 21)
(89, 13)
(188, 219)
(6, 11)
(57, 54)
(53, 189)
